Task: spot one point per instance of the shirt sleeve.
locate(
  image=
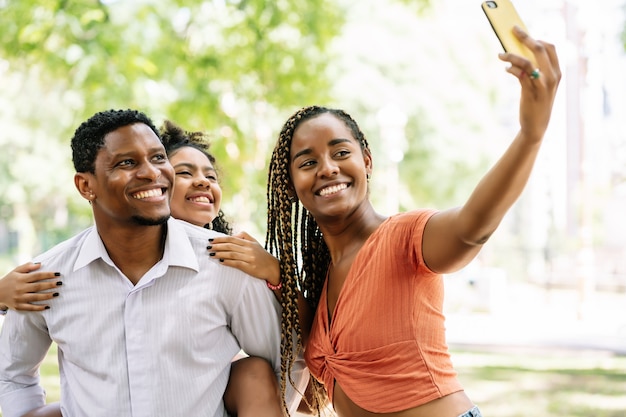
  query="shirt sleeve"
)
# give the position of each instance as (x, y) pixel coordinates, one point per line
(256, 325)
(256, 322)
(23, 346)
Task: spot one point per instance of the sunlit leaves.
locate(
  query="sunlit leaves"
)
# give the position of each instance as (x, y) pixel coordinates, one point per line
(232, 68)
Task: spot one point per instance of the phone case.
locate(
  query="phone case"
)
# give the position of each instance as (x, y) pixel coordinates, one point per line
(502, 18)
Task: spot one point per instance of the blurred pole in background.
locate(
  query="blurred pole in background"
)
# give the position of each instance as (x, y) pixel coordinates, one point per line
(392, 122)
(580, 199)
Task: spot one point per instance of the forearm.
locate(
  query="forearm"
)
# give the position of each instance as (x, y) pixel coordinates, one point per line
(503, 184)
(498, 190)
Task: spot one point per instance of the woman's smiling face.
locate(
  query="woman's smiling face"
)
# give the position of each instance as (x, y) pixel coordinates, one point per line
(197, 194)
(328, 167)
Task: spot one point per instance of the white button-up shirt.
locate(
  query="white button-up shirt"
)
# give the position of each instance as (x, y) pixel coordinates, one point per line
(162, 347)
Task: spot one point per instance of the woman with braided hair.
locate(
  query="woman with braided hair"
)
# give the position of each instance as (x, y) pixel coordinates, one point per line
(377, 343)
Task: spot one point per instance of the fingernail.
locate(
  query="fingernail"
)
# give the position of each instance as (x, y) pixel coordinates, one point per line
(221, 260)
(56, 294)
(209, 247)
(57, 274)
(211, 240)
(212, 254)
(37, 263)
(59, 283)
(47, 308)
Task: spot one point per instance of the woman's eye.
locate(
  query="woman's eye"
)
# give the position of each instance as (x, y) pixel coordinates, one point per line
(186, 173)
(343, 153)
(307, 164)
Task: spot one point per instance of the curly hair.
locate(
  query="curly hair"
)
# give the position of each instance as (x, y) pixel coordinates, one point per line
(294, 237)
(89, 136)
(174, 138)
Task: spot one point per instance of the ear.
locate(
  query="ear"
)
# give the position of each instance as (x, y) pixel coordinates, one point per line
(82, 181)
(369, 163)
(291, 192)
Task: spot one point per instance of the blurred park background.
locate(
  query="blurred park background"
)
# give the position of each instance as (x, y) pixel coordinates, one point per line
(423, 79)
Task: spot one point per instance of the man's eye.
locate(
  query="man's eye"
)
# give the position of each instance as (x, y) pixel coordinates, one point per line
(125, 163)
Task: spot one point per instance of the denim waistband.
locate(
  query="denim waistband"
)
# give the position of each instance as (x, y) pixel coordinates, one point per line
(474, 412)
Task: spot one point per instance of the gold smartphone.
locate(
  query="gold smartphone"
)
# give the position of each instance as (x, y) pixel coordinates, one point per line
(502, 16)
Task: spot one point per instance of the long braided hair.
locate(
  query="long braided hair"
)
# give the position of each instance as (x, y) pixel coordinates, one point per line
(294, 237)
(175, 137)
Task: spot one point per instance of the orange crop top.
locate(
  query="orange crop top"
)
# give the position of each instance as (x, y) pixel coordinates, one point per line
(386, 344)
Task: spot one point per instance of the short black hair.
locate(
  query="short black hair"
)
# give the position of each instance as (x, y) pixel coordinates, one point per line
(89, 136)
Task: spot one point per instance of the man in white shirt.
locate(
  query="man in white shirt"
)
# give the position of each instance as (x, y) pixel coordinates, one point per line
(148, 323)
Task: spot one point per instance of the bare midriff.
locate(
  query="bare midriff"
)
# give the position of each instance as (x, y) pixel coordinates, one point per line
(452, 405)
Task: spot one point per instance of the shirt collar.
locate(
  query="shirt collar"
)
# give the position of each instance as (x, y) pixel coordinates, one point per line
(178, 250)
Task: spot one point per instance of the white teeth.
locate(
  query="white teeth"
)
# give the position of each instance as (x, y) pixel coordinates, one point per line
(150, 193)
(200, 199)
(332, 190)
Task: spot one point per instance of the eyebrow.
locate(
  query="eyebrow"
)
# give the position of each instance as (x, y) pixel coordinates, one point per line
(332, 142)
(190, 165)
(132, 152)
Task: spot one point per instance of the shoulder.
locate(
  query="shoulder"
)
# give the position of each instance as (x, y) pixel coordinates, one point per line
(69, 246)
(404, 231)
(414, 218)
(193, 232)
(198, 238)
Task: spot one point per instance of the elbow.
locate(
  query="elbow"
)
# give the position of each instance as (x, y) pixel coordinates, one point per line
(478, 232)
(482, 239)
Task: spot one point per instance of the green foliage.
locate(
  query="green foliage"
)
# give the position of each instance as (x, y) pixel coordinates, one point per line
(232, 68)
(208, 65)
(128, 53)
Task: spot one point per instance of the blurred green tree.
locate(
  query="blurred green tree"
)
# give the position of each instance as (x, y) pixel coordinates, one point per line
(218, 66)
(232, 68)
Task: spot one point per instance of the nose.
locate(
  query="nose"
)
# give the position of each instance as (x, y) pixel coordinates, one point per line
(149, 170)
(201, 181)
(327, 168)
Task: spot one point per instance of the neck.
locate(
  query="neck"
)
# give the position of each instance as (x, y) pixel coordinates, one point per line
(346, 236)
(134, 250)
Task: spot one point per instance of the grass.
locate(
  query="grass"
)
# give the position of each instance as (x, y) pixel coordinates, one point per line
(544, 383)
(514, 383)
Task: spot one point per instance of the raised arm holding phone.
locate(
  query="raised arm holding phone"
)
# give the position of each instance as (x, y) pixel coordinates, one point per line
(377, 345)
